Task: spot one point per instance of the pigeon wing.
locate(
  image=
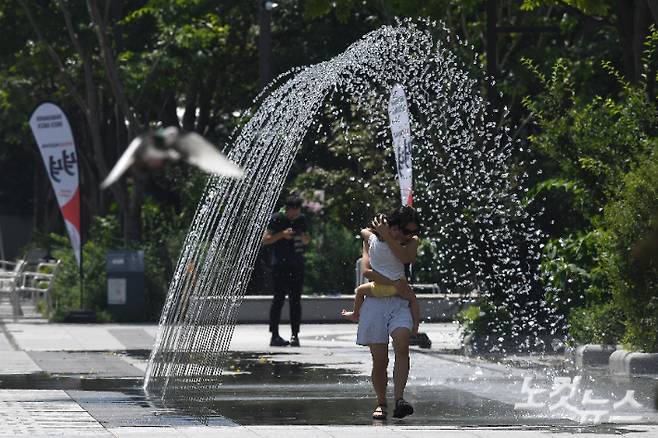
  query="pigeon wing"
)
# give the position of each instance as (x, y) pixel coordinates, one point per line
(126, 160)
(200, 153)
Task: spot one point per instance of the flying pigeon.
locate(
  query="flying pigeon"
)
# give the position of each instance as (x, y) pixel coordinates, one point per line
(155, 148)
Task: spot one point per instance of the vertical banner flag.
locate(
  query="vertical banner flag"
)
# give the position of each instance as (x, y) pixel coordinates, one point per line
(398, 114)
(53, 134)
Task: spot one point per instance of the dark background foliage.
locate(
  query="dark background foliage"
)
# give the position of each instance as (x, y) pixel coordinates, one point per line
(578, 82)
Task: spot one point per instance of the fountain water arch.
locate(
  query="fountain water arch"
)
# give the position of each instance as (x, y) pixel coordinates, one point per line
(462, 188)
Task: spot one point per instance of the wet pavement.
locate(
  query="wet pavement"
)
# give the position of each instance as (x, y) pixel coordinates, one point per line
(77, 388)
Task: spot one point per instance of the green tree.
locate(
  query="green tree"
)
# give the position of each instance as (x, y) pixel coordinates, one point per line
(595, 155)
(631, 20)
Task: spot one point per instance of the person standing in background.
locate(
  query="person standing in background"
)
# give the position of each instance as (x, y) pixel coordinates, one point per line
(287, 233)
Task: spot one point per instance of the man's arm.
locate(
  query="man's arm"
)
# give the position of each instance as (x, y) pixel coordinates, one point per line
(304, 237)
(270, 237)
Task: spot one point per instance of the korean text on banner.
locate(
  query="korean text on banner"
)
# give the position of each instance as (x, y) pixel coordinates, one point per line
(398, 114)
(53, 134)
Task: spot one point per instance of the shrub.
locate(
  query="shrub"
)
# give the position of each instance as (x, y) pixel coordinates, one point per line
(597, 324)
(66, 288)
(162, 241)
(330, 260)
(488, 328)
(630, 257)
(600, 158)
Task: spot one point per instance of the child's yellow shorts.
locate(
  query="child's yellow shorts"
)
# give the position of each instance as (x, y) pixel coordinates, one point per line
(382, 290)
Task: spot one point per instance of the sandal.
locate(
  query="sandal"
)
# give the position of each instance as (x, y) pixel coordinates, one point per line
(402, 408)
(380, 412)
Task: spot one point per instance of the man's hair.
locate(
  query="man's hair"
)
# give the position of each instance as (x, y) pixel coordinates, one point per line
(293, 201)
(402, 216)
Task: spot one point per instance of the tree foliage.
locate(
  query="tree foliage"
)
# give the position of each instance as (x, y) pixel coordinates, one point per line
(580, 98)
(598, 155)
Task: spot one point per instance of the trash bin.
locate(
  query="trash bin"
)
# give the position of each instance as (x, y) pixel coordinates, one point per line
(125, 285)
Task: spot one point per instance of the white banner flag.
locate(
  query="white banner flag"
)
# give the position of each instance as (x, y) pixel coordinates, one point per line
(398, 114)
(53, 134)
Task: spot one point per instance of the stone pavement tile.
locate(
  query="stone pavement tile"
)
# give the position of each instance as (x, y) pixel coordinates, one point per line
(101, 364)
(374, 431)
(627, 431)
(390, 430)
(93, 338)
(431, 432)
(62, 434)
(5, 345)
(255, 337)
(30, 337)
(42, 395)
(141, 363)
(185, 432)
(133, 338)
(641, 431)
(17, 362)
(44, 413)
(590, 432)
(70, 337)
(506, 433)
(116, 409)
(221, 431)
(436, 434)
(289, 431)
(146, 432)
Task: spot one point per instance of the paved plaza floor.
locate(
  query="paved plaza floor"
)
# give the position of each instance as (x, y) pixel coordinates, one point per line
(85, 380)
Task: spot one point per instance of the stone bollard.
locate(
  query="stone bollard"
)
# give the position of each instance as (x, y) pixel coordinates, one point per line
(593, 355)
(629, 363)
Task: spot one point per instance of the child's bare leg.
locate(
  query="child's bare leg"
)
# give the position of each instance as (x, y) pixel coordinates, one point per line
(360, 294)
(363, 291)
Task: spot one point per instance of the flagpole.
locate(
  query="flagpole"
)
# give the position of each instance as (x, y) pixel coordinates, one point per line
(398, 113)
(54, 137)
(82, 246)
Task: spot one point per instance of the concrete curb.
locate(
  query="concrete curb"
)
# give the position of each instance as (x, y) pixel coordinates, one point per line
(593, 355)
(628, 363)
(326, 308)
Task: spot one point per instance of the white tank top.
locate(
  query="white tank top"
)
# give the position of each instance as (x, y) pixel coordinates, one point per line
(383, 260)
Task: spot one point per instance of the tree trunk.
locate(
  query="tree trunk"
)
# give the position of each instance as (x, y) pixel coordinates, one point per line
(167, 112)
(641, 23)
(653, 6)
(132, 219)
(205, 104)
(633, 20)
(109, 64)
(133, 204)
(625, 9)
(189, 116)
(90, 106)
(39, 195)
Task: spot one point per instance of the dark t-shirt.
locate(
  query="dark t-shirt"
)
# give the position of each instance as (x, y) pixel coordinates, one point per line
(288, 252)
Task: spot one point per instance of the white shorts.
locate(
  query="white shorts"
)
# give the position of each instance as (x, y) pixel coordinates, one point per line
(379, 317)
